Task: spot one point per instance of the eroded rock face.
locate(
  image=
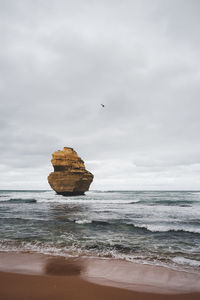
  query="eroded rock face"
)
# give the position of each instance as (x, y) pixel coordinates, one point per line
(70, 178)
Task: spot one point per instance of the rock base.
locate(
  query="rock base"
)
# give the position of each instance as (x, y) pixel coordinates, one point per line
(71, 193)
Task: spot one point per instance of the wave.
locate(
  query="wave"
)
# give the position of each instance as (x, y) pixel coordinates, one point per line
(81, 200)
(165, 228)
(104, 251)
(139, 227)
(83, 221)
(183, 203)
(186, 261)
(20, 200)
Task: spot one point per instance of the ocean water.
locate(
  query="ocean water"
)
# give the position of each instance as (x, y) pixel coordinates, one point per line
(151, 227)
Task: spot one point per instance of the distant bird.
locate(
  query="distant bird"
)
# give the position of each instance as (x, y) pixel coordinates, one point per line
(102, 105)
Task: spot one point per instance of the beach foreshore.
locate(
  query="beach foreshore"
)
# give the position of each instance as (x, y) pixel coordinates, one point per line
(36, 276)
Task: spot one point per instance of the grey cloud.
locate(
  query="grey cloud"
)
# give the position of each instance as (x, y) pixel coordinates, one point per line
(60, 59)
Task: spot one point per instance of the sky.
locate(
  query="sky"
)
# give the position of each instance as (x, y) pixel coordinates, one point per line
(60, 59)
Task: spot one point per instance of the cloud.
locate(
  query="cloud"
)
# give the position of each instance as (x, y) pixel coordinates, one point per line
(60, 60)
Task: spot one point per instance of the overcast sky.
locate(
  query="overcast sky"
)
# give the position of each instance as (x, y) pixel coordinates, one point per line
(59, 60)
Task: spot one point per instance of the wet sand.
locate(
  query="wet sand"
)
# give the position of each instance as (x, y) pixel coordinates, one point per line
(27, 276)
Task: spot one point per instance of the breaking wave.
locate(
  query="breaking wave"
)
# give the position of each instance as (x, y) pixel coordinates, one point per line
(138, 227)
(20, 200)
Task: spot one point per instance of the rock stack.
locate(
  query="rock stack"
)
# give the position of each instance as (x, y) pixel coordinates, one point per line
(70, 178)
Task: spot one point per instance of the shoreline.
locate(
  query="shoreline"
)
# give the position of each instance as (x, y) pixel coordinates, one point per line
(105, 275)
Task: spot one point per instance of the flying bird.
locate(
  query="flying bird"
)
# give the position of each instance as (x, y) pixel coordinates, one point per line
(102, 105)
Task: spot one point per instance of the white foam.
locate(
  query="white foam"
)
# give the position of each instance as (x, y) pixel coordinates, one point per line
(85, 221)
(73, 200)
(186, 261)
(166, 228)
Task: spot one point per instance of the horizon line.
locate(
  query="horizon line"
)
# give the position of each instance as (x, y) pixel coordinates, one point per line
(43, 190)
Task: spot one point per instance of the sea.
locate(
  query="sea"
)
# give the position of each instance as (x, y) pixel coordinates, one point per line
(149, 227)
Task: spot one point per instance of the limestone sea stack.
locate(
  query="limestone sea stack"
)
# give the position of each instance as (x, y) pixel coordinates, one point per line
(70, 178)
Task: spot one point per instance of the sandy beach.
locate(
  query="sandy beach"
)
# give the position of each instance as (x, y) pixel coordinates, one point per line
(31, 276)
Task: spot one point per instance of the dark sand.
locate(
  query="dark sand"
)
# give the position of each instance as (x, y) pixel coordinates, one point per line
(27, 276)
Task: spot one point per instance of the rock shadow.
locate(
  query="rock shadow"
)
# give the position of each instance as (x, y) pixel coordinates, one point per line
(63, 266)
